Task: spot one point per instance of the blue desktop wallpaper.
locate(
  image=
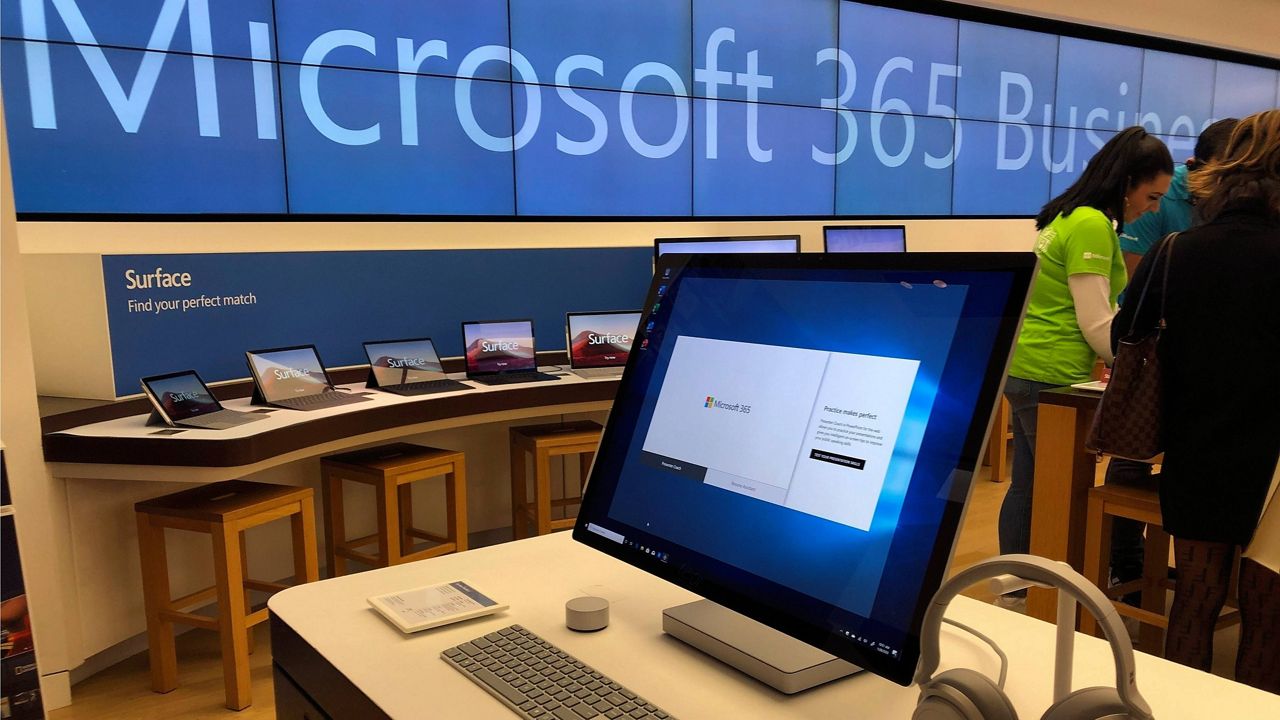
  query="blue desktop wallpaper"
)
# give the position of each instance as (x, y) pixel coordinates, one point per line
(510, 107)
(804, 564)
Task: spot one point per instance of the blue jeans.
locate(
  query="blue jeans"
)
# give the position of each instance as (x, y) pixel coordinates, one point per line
(1126, 534)
(1015, 513)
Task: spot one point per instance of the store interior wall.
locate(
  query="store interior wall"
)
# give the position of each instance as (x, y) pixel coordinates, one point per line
(79, 534)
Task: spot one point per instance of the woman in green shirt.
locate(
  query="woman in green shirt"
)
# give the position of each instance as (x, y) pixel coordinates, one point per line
(1068, 320)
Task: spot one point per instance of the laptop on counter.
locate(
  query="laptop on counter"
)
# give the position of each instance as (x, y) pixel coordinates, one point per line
(501, 352)
(294, 378)
(181, 399)
(600, 342)
(408, 367)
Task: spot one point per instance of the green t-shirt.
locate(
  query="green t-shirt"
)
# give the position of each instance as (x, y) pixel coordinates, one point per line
(1051, 347)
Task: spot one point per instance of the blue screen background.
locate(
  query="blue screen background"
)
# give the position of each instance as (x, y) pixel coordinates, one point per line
(804, 565)
(475, 125)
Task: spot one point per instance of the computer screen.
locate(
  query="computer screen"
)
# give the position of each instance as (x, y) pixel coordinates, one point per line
(180, 395)
(601, 339)
(864, 238)
(760, 244)
(795, 436)
(288, 372)
(396, 362)
(499, 347)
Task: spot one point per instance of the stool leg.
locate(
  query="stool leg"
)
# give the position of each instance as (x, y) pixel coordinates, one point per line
(518, 491)
(455, 501)
(305, 561)
(407, 540)
(229, 578)
(584, 467)
(335, 531)
(1097, 550)
(155, 594)
(1155, 570)
(542, 490)
(248, 599)
(388, 502)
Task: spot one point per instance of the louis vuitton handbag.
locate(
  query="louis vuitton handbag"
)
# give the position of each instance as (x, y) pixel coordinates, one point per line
(1127, 423)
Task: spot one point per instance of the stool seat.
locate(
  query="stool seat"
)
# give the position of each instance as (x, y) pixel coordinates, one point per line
(577, 437)
(223, 501)
(224, 510)
(391, 470)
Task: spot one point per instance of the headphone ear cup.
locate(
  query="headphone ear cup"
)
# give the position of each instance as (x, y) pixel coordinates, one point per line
(1094, 703)
(963, 694)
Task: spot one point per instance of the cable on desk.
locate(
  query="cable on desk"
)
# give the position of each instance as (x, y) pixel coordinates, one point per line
(1004, 660)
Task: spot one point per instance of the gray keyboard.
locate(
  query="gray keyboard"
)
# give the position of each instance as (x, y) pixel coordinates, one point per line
(542, 682)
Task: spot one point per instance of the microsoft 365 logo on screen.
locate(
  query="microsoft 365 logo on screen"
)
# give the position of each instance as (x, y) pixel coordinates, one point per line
(712, 402)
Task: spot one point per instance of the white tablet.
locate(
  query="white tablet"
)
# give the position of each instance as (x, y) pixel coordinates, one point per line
(435, 605)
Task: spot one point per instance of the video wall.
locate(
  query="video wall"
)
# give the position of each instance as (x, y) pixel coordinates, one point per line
(574, 108)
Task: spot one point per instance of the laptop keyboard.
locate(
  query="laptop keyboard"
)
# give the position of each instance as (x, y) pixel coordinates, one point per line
(509, 378)
(328, 398)
(598, 372)
(539, 681)
(430, 386)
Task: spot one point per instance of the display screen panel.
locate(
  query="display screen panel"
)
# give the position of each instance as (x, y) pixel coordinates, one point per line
(574, 108)
(499, 347)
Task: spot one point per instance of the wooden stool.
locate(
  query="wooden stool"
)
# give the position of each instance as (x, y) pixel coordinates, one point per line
(998, 442)
(1107, 502)
(391, 470)
(224, 510)
(544, 442)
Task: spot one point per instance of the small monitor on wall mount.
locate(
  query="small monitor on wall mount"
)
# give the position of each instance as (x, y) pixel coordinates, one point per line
(732, 244)
(864, 238)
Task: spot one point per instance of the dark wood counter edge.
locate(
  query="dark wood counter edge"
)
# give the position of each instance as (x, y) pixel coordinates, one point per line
(234, 452)
(1071, 397)
(112, 409)
(316, 677)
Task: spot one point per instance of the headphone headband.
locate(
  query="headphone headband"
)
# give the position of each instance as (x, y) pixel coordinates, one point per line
(1041, 570)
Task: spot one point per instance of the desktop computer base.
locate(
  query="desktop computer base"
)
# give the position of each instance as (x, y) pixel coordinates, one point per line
(773, 658)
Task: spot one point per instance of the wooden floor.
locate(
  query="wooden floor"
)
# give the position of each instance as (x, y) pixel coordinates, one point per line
(123, 690)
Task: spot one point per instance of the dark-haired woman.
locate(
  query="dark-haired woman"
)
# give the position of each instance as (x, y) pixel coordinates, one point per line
(1221, 411)
(1068, 321)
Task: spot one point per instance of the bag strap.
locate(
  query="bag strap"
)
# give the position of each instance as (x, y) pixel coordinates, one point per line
(1164, 281)
(1165, 247)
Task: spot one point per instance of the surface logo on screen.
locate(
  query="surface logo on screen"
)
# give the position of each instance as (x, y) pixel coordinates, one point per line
(712, 402)
(608, 339)
(178, 397)
(158, 278)
(291, 373)
(408, 362)
(500, 346)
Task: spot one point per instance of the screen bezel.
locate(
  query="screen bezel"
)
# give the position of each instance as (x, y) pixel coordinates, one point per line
(740, 599)
(826, 246)
(369, 343)
(466, 363)
(657, 242)
(568, 337)
(159, 406)
(257, 381)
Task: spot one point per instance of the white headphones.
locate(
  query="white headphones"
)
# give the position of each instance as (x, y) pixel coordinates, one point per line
(964, 694)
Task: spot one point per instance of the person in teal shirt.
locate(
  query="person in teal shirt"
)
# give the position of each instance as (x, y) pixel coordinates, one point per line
(1177, 207)
(1068, 319)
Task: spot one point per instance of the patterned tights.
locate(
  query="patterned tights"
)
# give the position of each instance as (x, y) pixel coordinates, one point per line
(1204, 576)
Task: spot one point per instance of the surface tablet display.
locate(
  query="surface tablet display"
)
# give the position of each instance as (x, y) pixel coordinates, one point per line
(795, 435)
(181, 396)
(864, 238)
(761, 244)
(499, 347)
(288, 372)
(397, 362)
(601, 339)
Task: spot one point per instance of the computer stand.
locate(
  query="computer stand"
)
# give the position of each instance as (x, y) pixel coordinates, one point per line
(773, 658)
